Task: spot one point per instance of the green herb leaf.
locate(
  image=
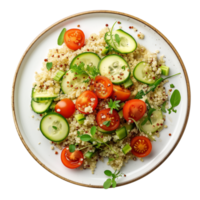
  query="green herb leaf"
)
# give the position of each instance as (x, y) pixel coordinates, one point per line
(49, 65)
(123, 67)
(114, 183)
(163, 107)
(60, 40)
(78, 69)
(98, 145)
(86, 81)
(108, 173)
(78, 134)
(92, 71)
(85, 137)
(172, 86)
(113, 105)
(107, 183)
(106, 123)
(93, 130)
(54, 127)
(174, 100)
(139, 95)
(151, 110)
(144, 121)
(110, 159)
(72, 148)
(147, 102)
(117, 38)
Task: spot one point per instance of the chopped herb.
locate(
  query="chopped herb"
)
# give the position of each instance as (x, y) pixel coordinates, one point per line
(78, 134)
(117, 38)
(86, 81)
(49, 65)
(113, 105)
(139, 95)
(174, 100)
(60, 40)
(123, 67)
(72, 148)
(172, 86)
(92, 71)
(110, 159)
(54, 127)
(106, 123)
(163, 107)
(78, 69)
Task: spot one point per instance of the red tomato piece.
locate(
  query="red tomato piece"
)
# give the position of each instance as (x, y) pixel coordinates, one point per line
(71, 160)
(74, 38)
(135, 109)
(141, 146)
(120, 93)
(65, 107)
(104, 115)
(86, 99)
(103, 87)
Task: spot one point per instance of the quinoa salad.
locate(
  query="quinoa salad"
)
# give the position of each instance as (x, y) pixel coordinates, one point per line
(102, 98)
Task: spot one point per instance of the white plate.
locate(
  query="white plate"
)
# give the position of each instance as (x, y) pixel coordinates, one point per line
(93, 22)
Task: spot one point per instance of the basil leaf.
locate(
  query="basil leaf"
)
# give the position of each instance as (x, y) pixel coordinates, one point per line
(85, 137)
(93, 130)
(172, 86)
(114, 183)
(60, 40)
(175, 98)
(106, 123)
(108, 173)
(49, 65)
(117, 38)
(72, 148)
(123, 67)
(163, 107)
(107, 183)
(54, 127)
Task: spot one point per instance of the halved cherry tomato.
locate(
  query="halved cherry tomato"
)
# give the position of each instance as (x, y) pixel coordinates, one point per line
(74, 38)
(120, 93)
(141, 146)
(135, 109)
(71, 160)
(103, 87)
(86, 99)
(104, 115)
(65, 107)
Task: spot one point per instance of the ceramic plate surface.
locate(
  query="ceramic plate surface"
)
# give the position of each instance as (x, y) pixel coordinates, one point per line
(93, 22)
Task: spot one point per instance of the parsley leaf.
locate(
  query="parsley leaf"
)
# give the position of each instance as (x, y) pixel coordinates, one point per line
(78, 69)
(113, 105)
(163, 107)
(86, 81)
(92, 71)
(117, 38)
(139, 95)
(123, 67)
(72, 148)
(54, 127)
(49, 65)
(106, 123)
(172, 86)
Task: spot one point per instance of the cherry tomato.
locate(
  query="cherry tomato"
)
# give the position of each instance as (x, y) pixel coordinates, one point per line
(86, 99)
(74, 38)
(103, 87)
(120, 93)
(104, 115)
(71, 160)
(141, 146)
(135, 109)
(65, 107)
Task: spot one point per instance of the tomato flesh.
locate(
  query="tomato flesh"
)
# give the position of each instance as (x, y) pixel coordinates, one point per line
(141, 146)
(65, 107)
(71, 160)
(134, 109)
(74, 38)
(120, 93)
(103, 87)
(104, 115)
(86, 99)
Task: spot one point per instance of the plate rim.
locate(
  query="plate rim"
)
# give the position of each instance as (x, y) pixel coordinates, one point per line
(92, 12)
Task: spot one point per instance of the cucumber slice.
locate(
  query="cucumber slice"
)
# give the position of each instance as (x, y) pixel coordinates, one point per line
(140, 75)
(80, 118)
(88, 58)
(121, 133)
(40, 107)
(127, 43)
(128, 83)
(58, 75)
(164, 70)
(115, 68)
(69, 80)
(48, 124)
(128, 127)
(126, 149)
(157, 118)
(120, 113)
(105, 50)
(103, 131)
(89, 154)
(42, 96)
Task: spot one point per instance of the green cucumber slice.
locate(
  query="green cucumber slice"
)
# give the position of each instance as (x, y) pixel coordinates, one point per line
(58, 75)
(126, 149)
(42, 96)
(48, 124)
(128, 83)
(121, 133)
(40, 108)
(120, 113)
(115, 68)
(127, 43)
(103, 131)
(88, 58)
(105, 50)
(71, 82)
(80, 118)
(89, 154)
(164, 70)
(128, 127)
(140, 75)
(157, 118)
